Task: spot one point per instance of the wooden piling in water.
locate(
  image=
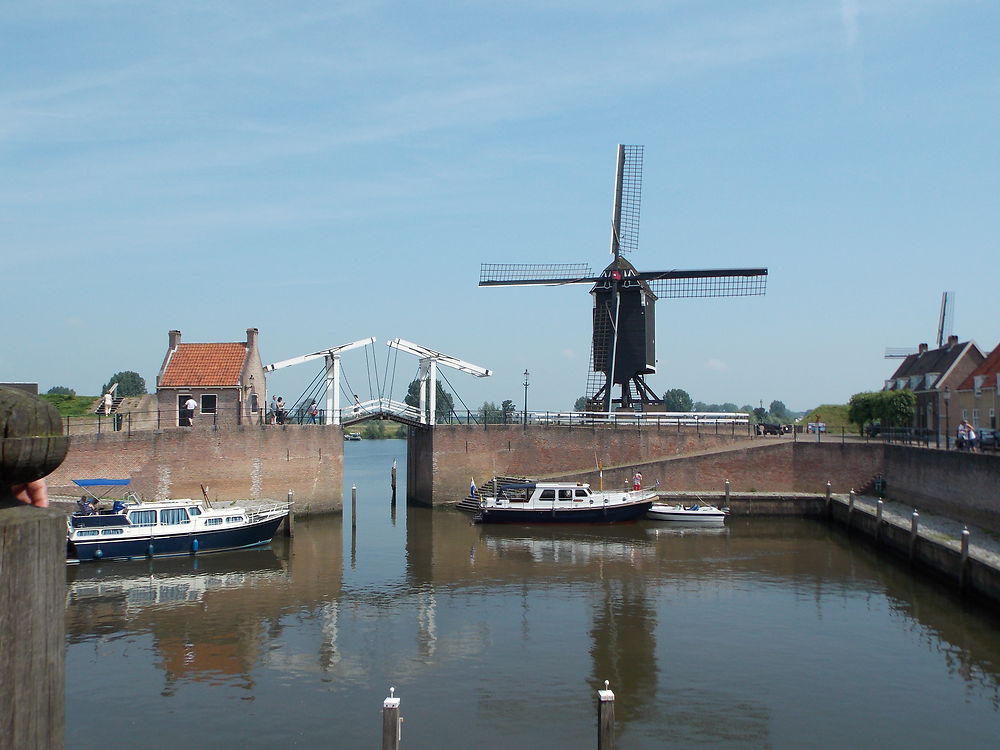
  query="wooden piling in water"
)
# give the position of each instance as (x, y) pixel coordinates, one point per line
(964, 565)
(392, 481)
(606, 718)
(289, 519)
(914, 526)
(392, 722)
(354, 507)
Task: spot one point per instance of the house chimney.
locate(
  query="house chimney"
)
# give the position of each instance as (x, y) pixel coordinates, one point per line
(952, 340)
(173, 338)
(252, 338)
(922, 348)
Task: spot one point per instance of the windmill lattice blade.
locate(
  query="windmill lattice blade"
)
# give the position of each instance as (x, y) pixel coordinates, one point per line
(628, 194)
(723, 283)
(518, 274)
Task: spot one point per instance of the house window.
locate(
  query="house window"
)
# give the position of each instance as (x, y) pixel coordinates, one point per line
(208, 403)
(975, 417)
(965, 414)
(254, 405)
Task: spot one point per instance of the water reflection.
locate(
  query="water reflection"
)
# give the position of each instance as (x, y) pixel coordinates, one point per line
(708, 635)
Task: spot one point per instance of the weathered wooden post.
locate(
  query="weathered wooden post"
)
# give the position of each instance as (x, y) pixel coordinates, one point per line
(850, 508)
(829, 495)
(392, 481)
(914, 525)
(727, 493)
(289, 519)
(964, 566)
(392, 722)
(32, 578)
(606, 718)
(878, 519)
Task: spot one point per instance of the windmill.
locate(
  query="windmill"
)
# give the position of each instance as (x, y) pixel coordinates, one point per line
(623, 347)
(946, 327)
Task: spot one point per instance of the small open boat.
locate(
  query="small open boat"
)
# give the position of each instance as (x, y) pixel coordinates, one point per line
(134, 529)
(697, 513)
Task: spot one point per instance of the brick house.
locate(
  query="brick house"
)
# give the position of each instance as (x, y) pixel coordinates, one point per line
(226, 380)
(976, 396)
(934, 375)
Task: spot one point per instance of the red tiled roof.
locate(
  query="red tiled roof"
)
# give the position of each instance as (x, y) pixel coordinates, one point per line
(204, 365)
(990, 367)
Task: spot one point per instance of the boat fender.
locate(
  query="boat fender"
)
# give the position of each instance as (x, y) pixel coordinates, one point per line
(194, 546)
(149, 549)
(98, 553)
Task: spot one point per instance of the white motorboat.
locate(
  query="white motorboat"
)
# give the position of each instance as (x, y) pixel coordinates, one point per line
(509, 500)
(696, 513)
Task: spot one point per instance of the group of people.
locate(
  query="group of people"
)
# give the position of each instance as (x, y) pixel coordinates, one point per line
(278, 410)
(966, 437)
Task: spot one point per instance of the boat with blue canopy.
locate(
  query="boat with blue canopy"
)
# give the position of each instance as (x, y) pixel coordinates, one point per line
(133, 528)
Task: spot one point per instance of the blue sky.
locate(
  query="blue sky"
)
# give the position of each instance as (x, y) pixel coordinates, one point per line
(329, 171)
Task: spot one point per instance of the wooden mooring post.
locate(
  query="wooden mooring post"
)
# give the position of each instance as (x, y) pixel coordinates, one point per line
(914, 527)
(964, 565)
(32, 578)
(392, 722)
(289, 519)
(392, 481)
(606, 718)
(829, 496)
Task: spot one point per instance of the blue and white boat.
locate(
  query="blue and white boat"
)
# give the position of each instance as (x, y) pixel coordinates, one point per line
(506, 501)
(135, 529)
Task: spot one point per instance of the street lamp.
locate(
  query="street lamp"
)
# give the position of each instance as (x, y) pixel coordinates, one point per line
(525, 396)
(947, 428)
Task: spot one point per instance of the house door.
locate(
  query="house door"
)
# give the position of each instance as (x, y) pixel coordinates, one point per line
(183, 418)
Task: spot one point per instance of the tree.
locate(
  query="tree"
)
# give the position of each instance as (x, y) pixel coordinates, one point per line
(897, 408)
(508, 408)
(130, 383)
(490, 413)
(779, 412)
(580, 404)
(862, 409)
(760, 414)
(677, 399)
(60, 390)
(445, 403)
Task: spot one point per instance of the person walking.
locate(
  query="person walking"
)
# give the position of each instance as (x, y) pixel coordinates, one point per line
(108, 402)
(313, 412)
(279, 410)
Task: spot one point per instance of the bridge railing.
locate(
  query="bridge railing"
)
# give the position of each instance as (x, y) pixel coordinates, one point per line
(735, 422)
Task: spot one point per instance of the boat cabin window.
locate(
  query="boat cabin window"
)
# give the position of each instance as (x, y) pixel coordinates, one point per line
(580, 495)
(549, 495)
(112, 532)
(194, 510)
(142, 517)
(565, 494)
(213, 521)
(88, 532)
(173, 516)
(234, 519)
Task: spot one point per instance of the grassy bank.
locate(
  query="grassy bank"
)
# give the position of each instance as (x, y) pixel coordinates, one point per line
(71, 406)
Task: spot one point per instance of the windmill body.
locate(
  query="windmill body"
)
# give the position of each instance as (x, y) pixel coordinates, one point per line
(623, 347)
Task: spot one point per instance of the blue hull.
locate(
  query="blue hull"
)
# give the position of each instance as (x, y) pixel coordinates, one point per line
(596, 514)
(174, 544)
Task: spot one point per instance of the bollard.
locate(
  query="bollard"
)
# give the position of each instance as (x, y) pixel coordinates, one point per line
(963, 568)
(829, 494)
(32, 577)
(289, 531)
(354, 507)
(727, 493)
(878, 519)
(392, 722)
(914, 525)
(606, 718)
(392, 481)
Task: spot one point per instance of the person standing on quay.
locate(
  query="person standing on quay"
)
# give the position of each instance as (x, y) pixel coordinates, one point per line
(637, 481)
(189, 406)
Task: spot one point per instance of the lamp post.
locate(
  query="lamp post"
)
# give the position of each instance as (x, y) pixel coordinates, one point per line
(526, 396)
(947, 427)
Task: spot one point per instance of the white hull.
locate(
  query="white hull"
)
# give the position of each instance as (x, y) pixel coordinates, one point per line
(694, 514)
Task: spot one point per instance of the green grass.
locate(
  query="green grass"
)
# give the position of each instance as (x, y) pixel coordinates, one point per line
(835, 416)
(71, 406)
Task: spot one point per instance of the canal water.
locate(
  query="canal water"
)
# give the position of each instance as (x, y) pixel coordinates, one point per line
(779, 633)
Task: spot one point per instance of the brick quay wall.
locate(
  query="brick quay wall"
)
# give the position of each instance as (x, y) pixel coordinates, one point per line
(443, 462)
(234, 463)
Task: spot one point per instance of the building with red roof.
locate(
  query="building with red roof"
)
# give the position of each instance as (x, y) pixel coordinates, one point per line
(225, 380)
(977, 393)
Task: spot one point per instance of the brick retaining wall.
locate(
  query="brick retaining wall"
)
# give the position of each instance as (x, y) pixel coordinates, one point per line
(235, 463)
